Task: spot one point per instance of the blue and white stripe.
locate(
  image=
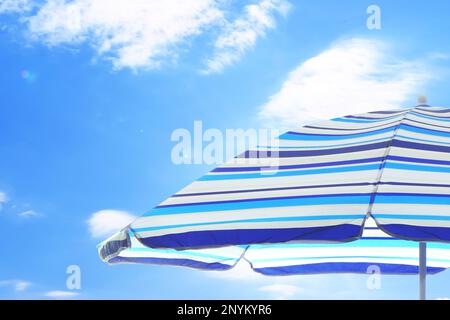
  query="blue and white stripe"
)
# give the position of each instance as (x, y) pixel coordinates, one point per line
(413, 197)
(323, 182)
(375, 251)
(209, 259)
(320, 190)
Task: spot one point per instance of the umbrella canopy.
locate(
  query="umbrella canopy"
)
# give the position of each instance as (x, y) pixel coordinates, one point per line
(391, 165)
(291, 206)
(375, 248)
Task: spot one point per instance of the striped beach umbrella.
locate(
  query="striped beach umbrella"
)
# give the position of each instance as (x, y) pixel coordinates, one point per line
(314, 186)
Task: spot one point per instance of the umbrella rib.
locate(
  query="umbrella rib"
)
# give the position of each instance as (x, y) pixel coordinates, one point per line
(383, 164)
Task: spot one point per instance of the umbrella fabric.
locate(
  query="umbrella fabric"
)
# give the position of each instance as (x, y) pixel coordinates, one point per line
(209, 259)
(413, 197)
(374, 252)
(317, 183)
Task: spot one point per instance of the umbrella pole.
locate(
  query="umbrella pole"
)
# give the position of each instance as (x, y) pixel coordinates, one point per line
(423, 269)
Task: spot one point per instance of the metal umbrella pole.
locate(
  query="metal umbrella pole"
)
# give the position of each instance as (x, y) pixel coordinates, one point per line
(423, 269)
(422, 100)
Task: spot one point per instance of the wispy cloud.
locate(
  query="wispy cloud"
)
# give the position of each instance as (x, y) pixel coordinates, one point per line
(58, 294)
(140, 34)
(130, 33)
(17, 285)
(241, 35)
(27, 214)
(3, 199)
(106, 222)
(11, 6)
(352, 76)
(22, 210)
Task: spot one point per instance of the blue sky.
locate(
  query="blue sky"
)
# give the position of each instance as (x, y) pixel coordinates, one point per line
(89, 99)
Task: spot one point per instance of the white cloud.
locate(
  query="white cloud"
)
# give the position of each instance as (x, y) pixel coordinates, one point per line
(352, 76)
(21, 285)
(439, 56)
(21, 210)
(131, 33)
(106, 222)
(58, 294)
(27, 214)
(140, 34)
(241, 35)
(3, 199)
(17, 285)
(11, 6)
(281, 291)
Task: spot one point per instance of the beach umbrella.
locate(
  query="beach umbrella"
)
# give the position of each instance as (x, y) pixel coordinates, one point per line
(319, 183)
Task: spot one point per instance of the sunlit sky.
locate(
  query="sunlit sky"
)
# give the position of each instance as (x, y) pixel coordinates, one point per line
(91, 90)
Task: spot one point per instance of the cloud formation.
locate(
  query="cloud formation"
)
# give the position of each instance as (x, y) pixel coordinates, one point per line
(241, 35)
(21, 210)
(3, 199)
(140, 34)
(352, 76)
(11, 6)
(131, 33)
(17, 285)
(27, 214)
(104, 223)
